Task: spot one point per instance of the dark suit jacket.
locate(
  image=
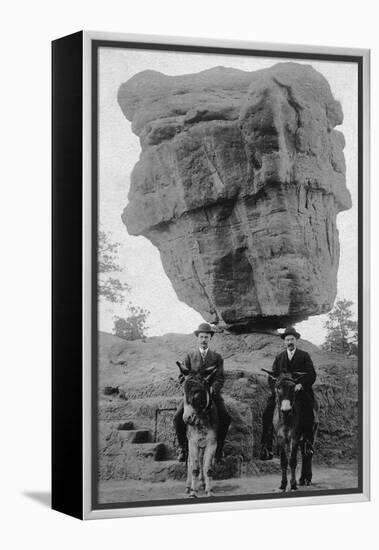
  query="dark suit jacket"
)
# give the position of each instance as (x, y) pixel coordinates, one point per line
(213, 359)
(301, 362)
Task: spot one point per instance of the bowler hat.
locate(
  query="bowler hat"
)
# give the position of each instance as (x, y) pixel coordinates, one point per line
(290, 331)
(204, 327)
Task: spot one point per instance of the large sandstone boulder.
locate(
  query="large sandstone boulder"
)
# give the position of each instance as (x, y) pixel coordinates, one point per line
(239, 182)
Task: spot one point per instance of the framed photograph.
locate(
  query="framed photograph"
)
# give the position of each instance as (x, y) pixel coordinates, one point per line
(210, 275)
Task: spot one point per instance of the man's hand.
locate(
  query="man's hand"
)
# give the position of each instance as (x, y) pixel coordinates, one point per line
(298, 387)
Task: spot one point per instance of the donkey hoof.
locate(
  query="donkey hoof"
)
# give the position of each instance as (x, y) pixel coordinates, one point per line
(294, 487)
(193, 495)
(187, 491)
(202, 487)
(210, 493)
(309, 482)
(301, 481)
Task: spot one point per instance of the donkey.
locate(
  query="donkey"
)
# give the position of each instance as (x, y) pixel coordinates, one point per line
(289, 429)
(200, 416)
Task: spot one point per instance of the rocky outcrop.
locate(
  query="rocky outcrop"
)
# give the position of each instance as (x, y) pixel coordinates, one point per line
(239, 182)
(146, 373)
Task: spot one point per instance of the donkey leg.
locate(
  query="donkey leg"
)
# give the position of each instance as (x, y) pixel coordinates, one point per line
(293, 464)
(201, 466)
(189, 471)
(283, 465)
(308, 479)
(306, 468)
(189, 467)
(303, 463)
(189, 476)
(209, 454)
(194, 459)
(308, 476)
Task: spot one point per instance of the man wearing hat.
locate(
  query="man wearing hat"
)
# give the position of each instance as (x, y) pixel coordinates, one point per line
(291, 360)
(202, 360)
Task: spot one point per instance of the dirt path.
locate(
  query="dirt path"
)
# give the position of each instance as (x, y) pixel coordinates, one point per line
(343, 477)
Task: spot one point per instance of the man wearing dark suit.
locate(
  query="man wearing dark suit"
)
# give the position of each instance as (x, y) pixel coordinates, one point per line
(202, 360)
(291, 360)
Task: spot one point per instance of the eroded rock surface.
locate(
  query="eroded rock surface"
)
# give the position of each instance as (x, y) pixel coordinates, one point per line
(239, 182)
(146, 373)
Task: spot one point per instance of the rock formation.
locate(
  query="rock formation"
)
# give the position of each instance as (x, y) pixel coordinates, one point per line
(146, 373)
(239, 182)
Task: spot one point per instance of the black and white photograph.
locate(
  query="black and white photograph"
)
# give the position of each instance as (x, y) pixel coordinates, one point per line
(228, 354)
(189, 307)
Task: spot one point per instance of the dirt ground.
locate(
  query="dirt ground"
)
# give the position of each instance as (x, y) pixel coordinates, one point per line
(324, 477)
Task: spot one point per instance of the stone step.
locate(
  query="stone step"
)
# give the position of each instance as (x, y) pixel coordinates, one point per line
(116, 445)
(164, 470)
(128, 425)
(109, 425)
(147, 471)
(135, 436)
(154, 471)
(146, 451)
(121, 460)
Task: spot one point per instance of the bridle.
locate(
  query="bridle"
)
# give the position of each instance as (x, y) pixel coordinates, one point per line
(200, 385)
(285, 378)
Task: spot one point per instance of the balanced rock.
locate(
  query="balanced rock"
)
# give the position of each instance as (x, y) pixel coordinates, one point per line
(239, 182)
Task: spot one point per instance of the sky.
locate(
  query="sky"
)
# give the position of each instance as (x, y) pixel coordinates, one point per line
(119, 150)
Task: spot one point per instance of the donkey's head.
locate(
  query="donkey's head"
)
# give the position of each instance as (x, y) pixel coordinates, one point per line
(197, 394)
(285, 384)
(285, 392)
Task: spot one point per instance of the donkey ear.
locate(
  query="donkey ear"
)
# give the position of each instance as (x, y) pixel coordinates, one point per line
(271, 374)
(182, 368)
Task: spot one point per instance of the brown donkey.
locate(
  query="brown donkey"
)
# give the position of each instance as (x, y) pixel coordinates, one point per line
(200, 416)
(289, 429)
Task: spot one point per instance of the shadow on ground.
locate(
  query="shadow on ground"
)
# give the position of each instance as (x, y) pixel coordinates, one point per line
(42, 497)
